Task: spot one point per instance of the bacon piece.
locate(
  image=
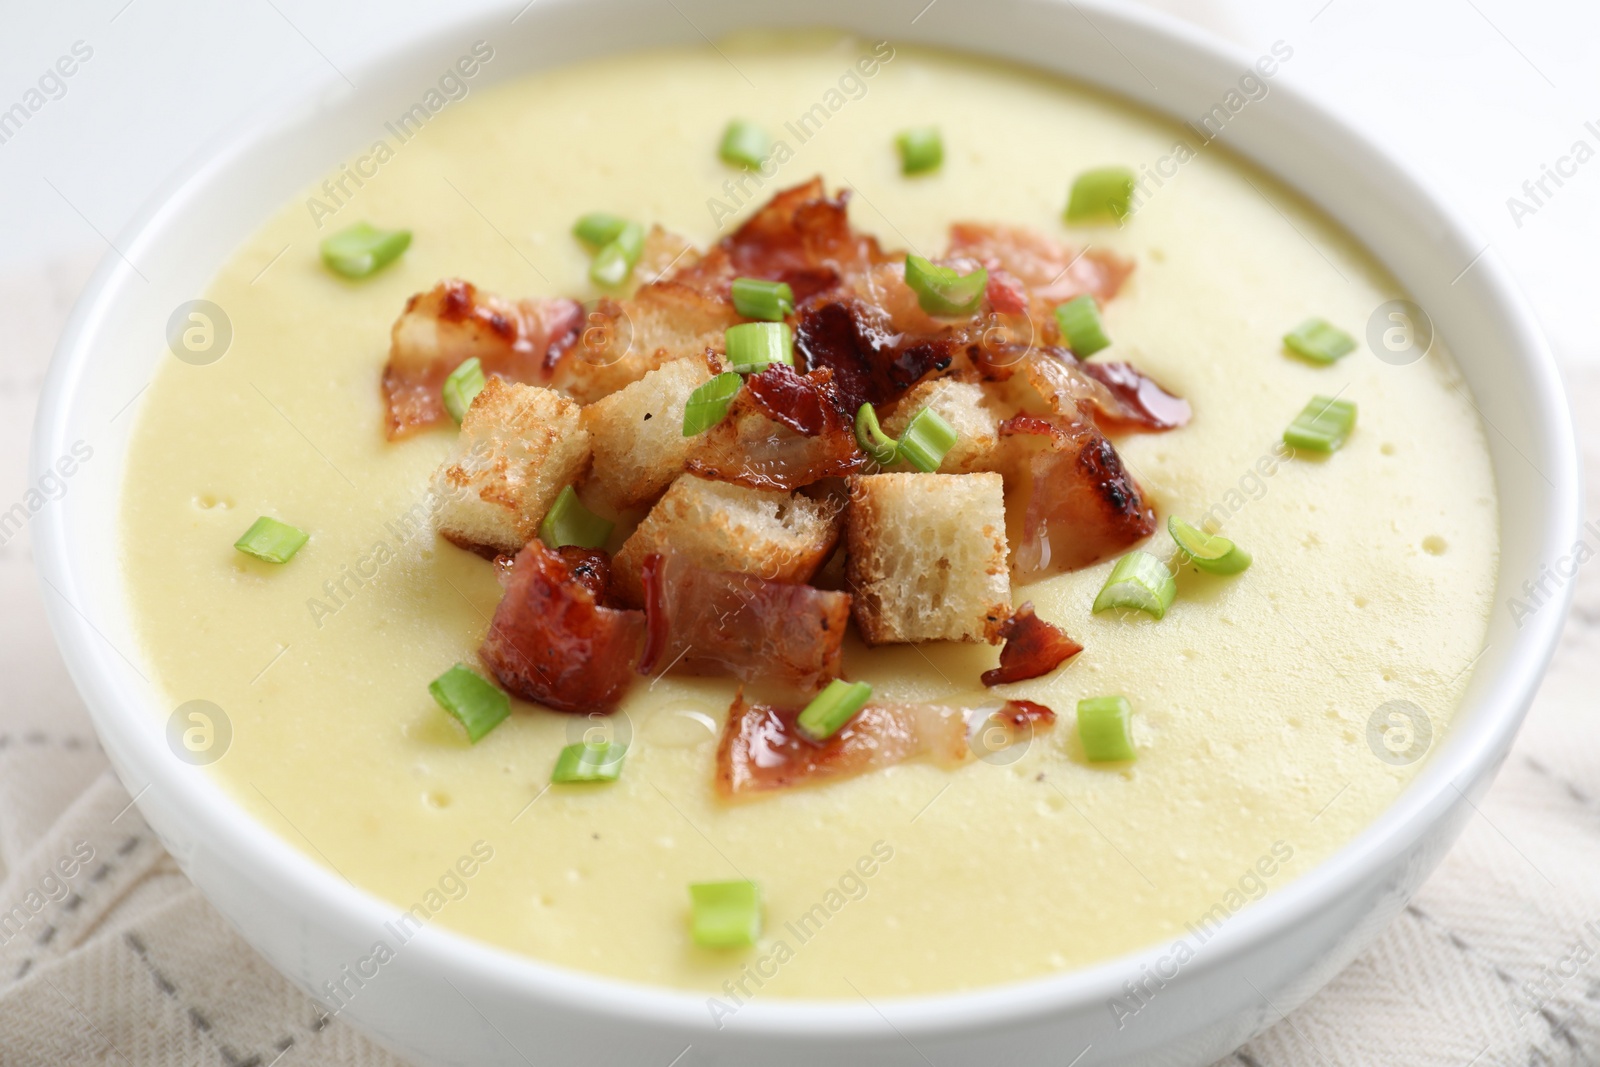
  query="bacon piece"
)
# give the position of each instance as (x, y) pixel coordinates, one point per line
(1006, 293)
(762, 748)
(453, 322)
(801, 236)
(720, 622)
(1142, 404)
(1033, 647)
(554, 642)
(806, 403)
(758, 445)
(869, 363)
(1117, 395)
(1083, 504)
(1051, 272)
(592, 567)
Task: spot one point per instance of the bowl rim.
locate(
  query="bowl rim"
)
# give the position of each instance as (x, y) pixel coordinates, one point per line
(229, 831)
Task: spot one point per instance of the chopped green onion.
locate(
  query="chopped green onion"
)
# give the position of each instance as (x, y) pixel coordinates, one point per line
(363, 249)
(598, 228)
(744, 144)
(870, 436)
(1104, 193)
(1209, 552)
(1104, 727)
(583, 762)
(944, 290)
(1138, 581)
(613, 263)
(464, 383)
(568, 522)
(1319, 341)
(1322, 426)
(753, 346)
(921, 150)
(927, 438)
(726, 914)
(271, 540)
(464, 693)
(708, 404)
(832, 708)
(1079, 321)
(757, 298)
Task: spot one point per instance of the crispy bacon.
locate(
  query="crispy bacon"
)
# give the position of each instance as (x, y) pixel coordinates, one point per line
(1006, 293)
(1082, 506)
(453, 322)
(753, 449)
(1033, 647)
(592, 567)
(718, 622)
(869, 363)
(1117, 395)
(1142, 404)
(762, 748)
(801, 236)
(553, 641)
(806, 403)
(1050, 272)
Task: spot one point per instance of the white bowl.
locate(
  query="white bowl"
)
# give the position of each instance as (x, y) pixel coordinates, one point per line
(446, 999)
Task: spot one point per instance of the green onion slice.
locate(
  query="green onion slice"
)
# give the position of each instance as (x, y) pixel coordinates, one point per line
(726, 914)
(614, 263)
(1322, 426)
(744, 144)
(1319, 341)
(363, 249)
(271, 540)
(944, 290)
(477, 704)
(1102, 194)
(1104, 727)
(1209, 552)
(464, 383)
(757, 298)
(708, 405)
(870, 436)
(754, 346)
(921, 150)
(568, 522)
(582, 763)
(1079, 321)
(598, 228)
(1141, 582)
(832, 708)
(927, 438)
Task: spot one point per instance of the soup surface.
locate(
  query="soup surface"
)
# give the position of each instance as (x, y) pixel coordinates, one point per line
(1254, 698)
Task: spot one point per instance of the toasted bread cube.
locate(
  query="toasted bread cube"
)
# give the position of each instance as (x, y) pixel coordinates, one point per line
(519, 447)
(626, 339)
(965, 406)
(927, 556)
(637, 433)
(780, 536)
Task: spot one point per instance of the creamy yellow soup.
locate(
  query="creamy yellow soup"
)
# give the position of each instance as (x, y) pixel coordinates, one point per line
(1259, 700)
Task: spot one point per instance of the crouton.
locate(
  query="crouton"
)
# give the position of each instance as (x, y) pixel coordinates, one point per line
(965, 406)
(779, 536)
(626, 339)
(519, 446)
(637, 433)
(927, 556)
